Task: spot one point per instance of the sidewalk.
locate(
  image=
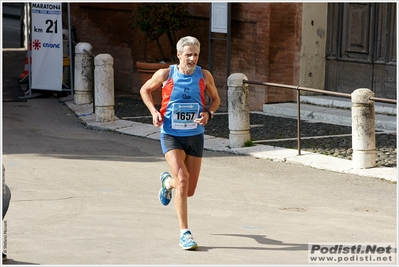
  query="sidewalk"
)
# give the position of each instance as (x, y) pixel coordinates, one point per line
(85, 113)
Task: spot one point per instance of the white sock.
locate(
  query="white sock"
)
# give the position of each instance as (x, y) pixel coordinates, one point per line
(166, 183)
(182, 231)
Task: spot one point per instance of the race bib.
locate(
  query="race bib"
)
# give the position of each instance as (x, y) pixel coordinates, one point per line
(184, 115)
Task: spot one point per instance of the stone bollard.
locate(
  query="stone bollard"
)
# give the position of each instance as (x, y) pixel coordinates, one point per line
(363, 129)
(84, 71)
(104, 88)
(238, 98)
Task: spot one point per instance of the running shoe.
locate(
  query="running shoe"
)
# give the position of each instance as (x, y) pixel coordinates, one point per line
(165, 195)
(187, 242)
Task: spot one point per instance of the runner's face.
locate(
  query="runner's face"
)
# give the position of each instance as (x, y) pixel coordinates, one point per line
(188, 58)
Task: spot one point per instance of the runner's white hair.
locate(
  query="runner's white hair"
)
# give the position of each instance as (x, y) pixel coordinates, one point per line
(187, 40)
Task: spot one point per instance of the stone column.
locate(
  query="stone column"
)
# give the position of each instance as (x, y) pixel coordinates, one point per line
(363, 129)
(84, 68)
(104, 88)
(238, 105)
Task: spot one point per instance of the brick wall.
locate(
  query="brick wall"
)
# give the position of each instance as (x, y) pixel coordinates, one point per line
(283, 46)
(265, 44)
(107, 29)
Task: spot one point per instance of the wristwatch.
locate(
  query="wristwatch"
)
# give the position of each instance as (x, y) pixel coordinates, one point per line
(211, 113)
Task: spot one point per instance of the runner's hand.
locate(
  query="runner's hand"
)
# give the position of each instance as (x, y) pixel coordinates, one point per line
(157, 119)
(203, 119)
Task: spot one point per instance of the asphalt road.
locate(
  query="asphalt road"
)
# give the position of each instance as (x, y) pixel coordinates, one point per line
(85, 196)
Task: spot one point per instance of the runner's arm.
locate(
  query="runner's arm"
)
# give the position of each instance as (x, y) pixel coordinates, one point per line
(213, 94)
(212, 91)
(159, 77)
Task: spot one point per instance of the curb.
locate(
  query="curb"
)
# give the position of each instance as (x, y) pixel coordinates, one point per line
(329, 163)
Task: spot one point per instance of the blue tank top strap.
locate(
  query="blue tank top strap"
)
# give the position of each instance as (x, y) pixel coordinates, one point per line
(172, 70)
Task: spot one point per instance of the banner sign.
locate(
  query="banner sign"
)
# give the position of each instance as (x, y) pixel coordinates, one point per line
(47, 52)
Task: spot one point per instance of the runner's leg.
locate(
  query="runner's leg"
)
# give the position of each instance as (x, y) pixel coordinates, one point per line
(180, 182)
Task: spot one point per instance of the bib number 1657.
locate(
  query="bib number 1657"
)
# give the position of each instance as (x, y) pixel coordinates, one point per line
(185, 116)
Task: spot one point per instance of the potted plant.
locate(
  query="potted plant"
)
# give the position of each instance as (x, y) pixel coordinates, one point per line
(156, 20)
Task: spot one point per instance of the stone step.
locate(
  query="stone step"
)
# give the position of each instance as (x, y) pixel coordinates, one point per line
(332, 110)
(340, 102)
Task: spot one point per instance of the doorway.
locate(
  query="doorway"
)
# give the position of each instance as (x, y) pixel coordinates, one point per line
(361, 48)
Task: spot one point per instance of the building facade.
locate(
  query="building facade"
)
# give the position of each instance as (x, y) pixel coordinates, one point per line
(288, 43)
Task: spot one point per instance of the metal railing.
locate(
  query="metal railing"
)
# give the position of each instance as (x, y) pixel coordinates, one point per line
(299, 88)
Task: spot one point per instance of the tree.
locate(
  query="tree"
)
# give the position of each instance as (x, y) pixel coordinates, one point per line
(157, 19)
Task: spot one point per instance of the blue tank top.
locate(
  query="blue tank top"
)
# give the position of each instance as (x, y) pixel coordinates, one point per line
(183, 98)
